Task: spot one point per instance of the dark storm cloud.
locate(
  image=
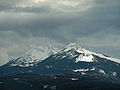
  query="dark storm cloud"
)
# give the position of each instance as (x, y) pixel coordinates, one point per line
(8, 5)
(99, 18)
(38, 25)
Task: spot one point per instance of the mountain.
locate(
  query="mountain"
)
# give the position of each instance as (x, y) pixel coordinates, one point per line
(84, 55)
(71, 68)
(74, 59)
(71, 59)
(32, 57)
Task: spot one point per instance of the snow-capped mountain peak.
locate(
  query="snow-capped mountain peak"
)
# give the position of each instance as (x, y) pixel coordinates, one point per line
(41, 52)
(71, 51)
(83, 54)
(74, 50)
(76, 47)
(34, 56)
(73, 58)
(73, 46)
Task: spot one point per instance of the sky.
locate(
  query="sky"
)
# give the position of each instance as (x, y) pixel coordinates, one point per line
(25, 24)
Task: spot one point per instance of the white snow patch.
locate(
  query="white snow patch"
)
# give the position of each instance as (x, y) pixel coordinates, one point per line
(114, 73)
(55, 77)
(83, 70)
(16, 78)
(92, 69)
(62, 57)
(45, 86)
(85, 58)
(74, 79)
(102, 71)
(80, 70)
(83, 73)
(49, 66)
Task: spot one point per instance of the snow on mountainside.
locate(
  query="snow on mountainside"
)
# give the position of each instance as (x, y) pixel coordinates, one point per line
(72, 50)
(84, 55)
(71, 59)
(34, 56)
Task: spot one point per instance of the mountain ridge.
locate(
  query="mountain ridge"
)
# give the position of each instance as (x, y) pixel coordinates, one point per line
(71, 59)
(34, 56)
(38, 54)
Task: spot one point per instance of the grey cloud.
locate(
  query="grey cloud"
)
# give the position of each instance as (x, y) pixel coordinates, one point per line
(97, 27)
(47, 6)
(13, 44)
(8, 5)
(96, 19)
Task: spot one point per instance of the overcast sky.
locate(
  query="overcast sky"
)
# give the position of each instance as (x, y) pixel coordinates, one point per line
(95, 24)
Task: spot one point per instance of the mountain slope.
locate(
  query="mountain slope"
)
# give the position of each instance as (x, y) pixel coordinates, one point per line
(34, 56)
(75, 59)
(86, 55)
(71, 59)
